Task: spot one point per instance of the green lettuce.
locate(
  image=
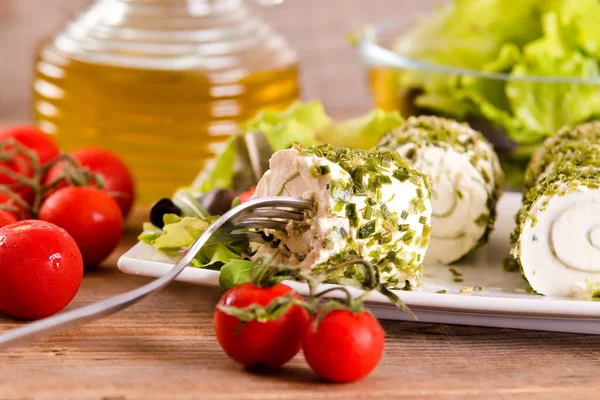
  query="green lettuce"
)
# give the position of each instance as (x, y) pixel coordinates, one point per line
(580, 19)
(297, 124)
(245, 157)
(534, 37)
(235, 272)
(180, 232)
(362, 132)
(544, 108)
(470, 33)
(216, 254)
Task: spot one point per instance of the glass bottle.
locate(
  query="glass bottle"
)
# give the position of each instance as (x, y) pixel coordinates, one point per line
(162, 83)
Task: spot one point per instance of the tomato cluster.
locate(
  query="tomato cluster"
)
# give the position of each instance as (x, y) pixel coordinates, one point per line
(340, 345)
(71, 208)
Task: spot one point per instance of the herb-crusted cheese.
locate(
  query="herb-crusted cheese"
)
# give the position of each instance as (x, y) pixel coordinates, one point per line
(368, 204)
(577, 146)
(467, 181)
(556, 241)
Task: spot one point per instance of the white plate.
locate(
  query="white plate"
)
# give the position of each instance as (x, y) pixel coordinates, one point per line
(501, 302)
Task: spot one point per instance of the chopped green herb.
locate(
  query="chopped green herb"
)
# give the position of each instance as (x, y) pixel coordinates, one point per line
(482, 220)
(454, 272)
(318, 170)
(351, 214)
(288, 180)
(367, 230)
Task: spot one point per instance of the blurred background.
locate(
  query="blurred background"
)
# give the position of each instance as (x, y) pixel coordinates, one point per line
(330, 69)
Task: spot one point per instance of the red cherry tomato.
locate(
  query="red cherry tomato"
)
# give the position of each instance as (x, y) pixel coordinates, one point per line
(7, 218)
(117, 177)
(40, 269)
(34, 139)
(19, 213)
(247, 195)
(271, 343)
(90, 215)
(345, 346)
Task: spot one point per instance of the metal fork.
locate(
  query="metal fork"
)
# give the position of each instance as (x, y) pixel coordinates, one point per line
(266, 213)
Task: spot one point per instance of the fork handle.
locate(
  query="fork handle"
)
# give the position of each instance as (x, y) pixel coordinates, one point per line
(94, 311)
(82, 315)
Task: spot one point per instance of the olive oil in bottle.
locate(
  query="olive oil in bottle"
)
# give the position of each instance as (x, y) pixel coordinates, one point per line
(162, 83)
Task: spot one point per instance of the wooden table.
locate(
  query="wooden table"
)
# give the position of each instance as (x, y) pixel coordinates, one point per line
(164, 347)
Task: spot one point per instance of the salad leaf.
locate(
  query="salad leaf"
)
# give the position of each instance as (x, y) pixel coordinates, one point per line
(297, 124)
(179, 233)
(218, 173)
(470, 33)
(186, 200)
(150, 233)
(244, 158)
(362, 132)
(235, 272)
(544, 108)
(216, 254)
(580, 20)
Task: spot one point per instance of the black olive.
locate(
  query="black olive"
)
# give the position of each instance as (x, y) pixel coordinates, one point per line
(217, 201)
(160, 208)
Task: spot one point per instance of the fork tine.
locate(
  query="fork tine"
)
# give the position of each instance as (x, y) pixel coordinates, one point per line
(276, 213)
(280, 202)
(262, 223)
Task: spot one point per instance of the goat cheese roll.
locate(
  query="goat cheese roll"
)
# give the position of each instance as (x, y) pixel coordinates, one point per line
(467, 182)
(367, 204)
(557, 238)
(569, 144)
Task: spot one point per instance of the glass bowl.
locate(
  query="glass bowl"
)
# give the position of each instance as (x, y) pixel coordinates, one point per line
(416, 87)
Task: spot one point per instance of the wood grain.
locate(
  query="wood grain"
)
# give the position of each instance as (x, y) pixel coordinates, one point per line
(164, 347)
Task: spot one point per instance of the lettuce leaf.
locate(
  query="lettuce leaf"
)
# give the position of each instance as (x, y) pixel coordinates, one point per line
(580, 19)
(245, 157)
(297, 124)
(470, 33)
(543, 108)
(179, 233)
(216, 254)
(235, 272)
(362, 132)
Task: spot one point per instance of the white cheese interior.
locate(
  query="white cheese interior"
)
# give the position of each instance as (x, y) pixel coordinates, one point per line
(561, 249)
(292, 174)
(459, 197)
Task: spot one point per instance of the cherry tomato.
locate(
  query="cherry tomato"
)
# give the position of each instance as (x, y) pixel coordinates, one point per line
(40, 269)
(34, 139)
(117, 177)
(7, 218)
(90, 215)
(19, 213)
(345, 346)
(271, 343)
(37, 141)
(247, 195)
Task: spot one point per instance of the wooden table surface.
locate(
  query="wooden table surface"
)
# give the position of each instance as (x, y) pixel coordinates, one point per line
(164, 347)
